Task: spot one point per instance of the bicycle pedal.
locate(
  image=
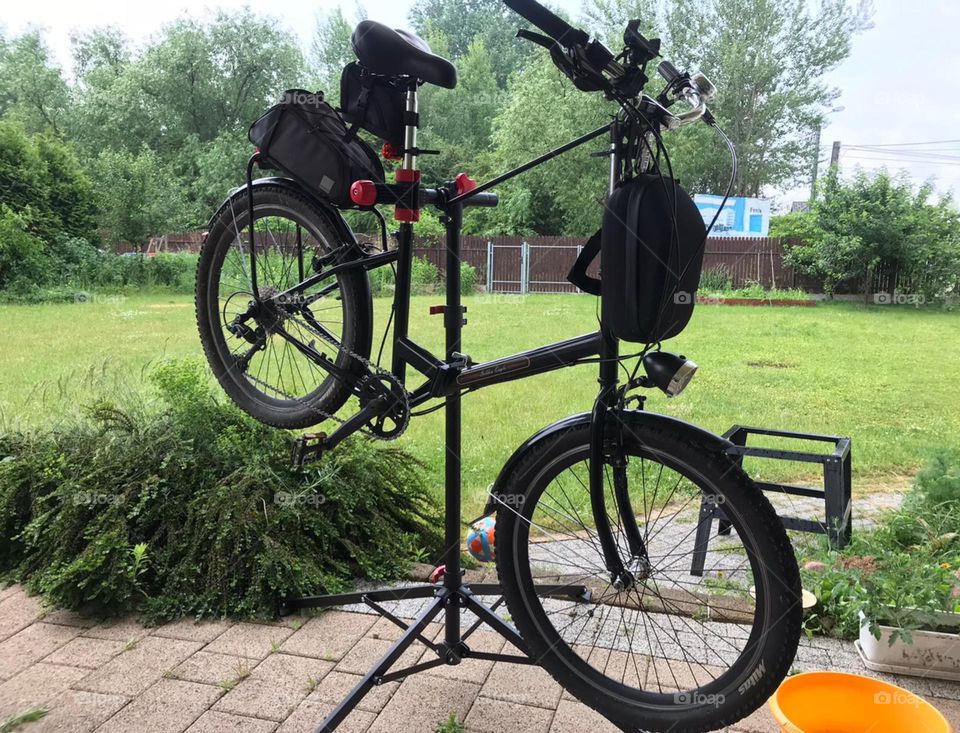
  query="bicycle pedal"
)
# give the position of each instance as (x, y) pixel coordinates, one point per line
(308, 448)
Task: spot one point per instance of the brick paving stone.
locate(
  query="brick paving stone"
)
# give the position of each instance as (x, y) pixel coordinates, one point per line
(36, 686)
(496, 716)
(329, 636)
(422, 702)
(63, 617)
(214, 722)
(170, 706)
(475, 670)
(944, 688)
(275, 688)
(337, 685)
(386, 629)
(17, 611)
(256, 641)
(210, 668)
(78, 711)
(575, 717)
(189, 629)
(30, 645)
(671, 673)
(524, 684)
(125, 629)
(759, 721)
(7, 591)
(309, 715)
(133, 671)
(367, 652)
(84, 652)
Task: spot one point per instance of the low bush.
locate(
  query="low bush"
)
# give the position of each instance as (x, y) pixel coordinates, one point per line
(182, 505)
(716, 279)
(468, 279)
(424, 277)
(938, 483)
(900, 573)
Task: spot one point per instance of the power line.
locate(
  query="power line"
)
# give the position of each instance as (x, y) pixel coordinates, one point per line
(902, 145)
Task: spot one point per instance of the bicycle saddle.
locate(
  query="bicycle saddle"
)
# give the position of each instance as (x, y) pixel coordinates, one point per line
(383, 50)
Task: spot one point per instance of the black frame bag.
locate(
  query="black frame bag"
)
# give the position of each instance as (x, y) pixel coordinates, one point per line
(374, 103)
(307, 139)
(651, 254)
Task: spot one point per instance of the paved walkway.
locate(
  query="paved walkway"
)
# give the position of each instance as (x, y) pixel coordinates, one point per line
(284, 677)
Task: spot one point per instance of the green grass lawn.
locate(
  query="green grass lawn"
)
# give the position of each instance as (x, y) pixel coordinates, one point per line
(885, 376)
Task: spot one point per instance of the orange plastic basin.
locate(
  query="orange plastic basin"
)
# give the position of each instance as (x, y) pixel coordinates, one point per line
(835, 702)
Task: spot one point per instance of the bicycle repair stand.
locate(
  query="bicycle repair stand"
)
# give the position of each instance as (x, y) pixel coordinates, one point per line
(453, 594)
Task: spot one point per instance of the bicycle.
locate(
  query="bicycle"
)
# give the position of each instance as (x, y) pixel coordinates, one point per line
(593, 527)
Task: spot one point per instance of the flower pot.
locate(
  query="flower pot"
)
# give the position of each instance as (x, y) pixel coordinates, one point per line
(933, 654)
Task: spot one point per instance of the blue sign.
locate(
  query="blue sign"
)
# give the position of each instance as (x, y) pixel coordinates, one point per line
(740, 217)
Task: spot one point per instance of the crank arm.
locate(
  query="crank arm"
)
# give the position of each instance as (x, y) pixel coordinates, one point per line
(354, 423)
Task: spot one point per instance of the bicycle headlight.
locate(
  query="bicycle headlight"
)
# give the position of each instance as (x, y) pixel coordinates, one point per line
(671, 373)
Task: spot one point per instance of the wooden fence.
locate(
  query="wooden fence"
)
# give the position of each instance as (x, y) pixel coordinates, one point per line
(535, 264)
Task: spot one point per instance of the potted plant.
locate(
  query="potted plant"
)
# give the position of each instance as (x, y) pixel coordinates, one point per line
(909, 620)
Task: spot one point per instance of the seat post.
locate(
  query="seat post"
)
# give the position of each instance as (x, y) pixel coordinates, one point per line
(411, 127)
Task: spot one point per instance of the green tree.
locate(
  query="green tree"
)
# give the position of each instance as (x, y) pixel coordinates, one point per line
(461, 23)
(41, 177)
(32, 88)
(879, 221)
(768, 59)
(544, 110)
(331, 49)
(139, 197)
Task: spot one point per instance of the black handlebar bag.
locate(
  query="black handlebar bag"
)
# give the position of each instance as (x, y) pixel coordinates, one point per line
(651, 254)
(308, 140)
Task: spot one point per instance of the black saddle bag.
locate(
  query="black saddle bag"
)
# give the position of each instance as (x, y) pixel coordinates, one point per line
(651, 254)
(306, 138)
(373, 103)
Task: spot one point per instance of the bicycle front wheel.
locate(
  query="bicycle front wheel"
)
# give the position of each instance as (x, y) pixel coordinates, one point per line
(680, 648)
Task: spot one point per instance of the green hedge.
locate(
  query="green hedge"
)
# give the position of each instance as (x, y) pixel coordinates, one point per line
(184, 506)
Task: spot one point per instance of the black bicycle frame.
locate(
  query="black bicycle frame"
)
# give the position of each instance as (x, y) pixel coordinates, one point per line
(448, 378)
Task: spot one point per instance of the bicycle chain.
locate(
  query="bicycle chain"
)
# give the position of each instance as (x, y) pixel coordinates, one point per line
(374, 368)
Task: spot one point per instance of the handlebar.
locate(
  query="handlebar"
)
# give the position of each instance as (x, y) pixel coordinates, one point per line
(549, 22)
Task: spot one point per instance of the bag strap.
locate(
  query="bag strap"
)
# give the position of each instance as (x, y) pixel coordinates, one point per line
(578, 273)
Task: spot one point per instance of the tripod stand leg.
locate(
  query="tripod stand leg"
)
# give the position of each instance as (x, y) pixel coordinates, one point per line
(493, 621)
(370, 679)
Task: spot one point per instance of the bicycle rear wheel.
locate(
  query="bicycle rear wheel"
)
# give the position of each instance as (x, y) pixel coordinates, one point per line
(674, 650)
(266, 352)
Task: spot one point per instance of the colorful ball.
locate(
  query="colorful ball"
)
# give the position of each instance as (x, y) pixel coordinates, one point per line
(480, 540)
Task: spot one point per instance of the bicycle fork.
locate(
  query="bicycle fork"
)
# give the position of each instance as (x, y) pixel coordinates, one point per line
(606, 448)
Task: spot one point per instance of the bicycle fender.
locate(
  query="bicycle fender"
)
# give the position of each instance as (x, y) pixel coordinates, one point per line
(331, 212)
(630, 417)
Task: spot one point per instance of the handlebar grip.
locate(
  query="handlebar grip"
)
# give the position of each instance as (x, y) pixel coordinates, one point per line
(668, 71)
(547, 21)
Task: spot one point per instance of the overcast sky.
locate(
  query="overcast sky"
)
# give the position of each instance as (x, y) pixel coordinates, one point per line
(900, 85)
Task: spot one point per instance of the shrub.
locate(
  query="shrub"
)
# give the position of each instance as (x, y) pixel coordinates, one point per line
(23, 263)
(938, 483)
(717, 279)
(468, 278)
(424, 277)
(899, 573)
(382, 281)
(185, 506)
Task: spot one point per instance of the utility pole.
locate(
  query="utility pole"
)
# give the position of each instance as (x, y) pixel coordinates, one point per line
(835, 155)
(816, 164)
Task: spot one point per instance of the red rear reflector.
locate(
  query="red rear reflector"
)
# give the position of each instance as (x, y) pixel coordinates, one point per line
(363, 193)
